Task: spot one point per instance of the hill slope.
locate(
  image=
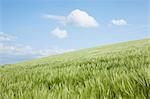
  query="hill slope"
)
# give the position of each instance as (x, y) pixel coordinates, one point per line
(118, 70)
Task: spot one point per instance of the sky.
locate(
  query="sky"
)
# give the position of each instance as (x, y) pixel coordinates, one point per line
(31, 29)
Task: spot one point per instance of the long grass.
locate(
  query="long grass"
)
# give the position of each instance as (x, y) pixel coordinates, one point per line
(119, 71)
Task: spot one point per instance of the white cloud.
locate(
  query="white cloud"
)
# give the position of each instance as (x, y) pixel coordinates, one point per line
(77, 17)
(6, 37)
(15, 53)
(14, 49)
(59, 33)
(53, 51)
(28, 50)
(81, 18)
(119, 22)
(11, 53)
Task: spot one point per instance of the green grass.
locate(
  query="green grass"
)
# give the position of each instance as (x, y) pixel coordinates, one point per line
(120, 71)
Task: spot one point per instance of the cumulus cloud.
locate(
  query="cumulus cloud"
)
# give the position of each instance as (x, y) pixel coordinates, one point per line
(81, 18)
(6, 37)
(77, 17)
(59, 33)
(119, 22)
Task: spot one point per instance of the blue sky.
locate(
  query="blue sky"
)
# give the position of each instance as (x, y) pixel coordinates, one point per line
(37, 28)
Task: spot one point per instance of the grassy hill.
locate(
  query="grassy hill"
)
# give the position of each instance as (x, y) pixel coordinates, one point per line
(115, 71)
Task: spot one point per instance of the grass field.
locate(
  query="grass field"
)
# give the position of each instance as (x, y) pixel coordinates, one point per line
(120, 71)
